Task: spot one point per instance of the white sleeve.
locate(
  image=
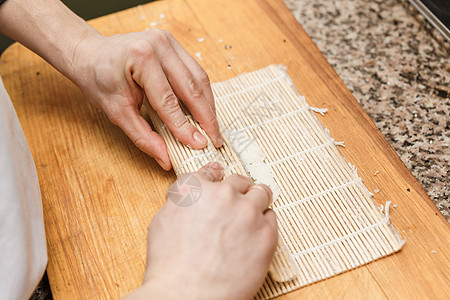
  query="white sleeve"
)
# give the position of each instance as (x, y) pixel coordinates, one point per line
(23, 253)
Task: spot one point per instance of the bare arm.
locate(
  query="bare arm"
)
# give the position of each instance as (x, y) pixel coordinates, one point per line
(115, 72)
(48, 28)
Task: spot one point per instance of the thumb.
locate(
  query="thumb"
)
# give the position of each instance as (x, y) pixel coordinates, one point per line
(139, 131)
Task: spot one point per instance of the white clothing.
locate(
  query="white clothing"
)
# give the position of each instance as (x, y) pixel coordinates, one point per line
(23, 252)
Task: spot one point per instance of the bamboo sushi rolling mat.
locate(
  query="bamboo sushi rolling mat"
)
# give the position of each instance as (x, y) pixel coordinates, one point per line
(328, 222)
(99, 192)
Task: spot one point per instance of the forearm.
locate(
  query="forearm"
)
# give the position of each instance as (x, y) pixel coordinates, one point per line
(47, 27)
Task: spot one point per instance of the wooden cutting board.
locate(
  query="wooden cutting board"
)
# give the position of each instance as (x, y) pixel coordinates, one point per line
(100, 192)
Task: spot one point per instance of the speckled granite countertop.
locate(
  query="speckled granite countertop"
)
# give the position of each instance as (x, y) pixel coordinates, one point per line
(399, 74)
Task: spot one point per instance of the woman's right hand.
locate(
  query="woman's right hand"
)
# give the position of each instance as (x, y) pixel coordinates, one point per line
(211, 240)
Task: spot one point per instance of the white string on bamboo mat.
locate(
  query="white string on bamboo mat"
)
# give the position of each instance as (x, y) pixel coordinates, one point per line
(184, 163)
(249, 88)
(384, 220)
(296, 203)
(331, 141)
(322, 111)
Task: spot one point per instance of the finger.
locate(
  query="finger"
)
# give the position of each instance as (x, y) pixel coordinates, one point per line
(191, 84)
(271, 225)
(240, 182)
(260, 195)
(196, 70)
(271, 218)
(164, 101)
(190, 91)
(211, 172)
(139, 131)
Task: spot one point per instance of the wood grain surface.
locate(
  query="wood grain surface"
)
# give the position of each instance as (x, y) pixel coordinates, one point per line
(100, 192)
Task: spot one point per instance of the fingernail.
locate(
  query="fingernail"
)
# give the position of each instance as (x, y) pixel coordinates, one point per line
(215, 165)
(219, 141)
(200, 139)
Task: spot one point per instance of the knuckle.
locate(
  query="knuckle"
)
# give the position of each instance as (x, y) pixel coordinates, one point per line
(162, 37)
(178, 122)
(195, 89)
(227, 191)
(166, 33)
(241, 177)
(114, 114)
(236, 176)
(141, 47)
(169, 100)
(115, 109)
(210, 174)
(170, 105)
(204, 78)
